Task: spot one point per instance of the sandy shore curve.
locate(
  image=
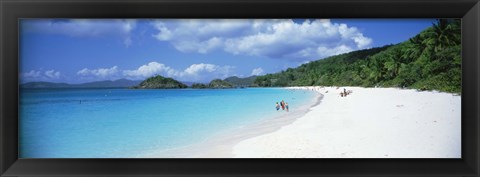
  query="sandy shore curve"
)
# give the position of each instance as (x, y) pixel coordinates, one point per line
(369, 123)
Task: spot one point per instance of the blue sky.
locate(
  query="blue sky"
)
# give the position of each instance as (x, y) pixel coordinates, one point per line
(80, 50)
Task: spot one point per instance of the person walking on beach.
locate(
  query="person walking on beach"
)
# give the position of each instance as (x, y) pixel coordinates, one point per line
(286, 106)
(277, 106)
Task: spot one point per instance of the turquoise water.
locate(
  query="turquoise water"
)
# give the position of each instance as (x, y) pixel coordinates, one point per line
(124, 123)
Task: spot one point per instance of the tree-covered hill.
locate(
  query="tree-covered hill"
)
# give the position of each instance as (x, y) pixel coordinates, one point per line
(199, 86)
(214, 84)
(159, 82)
(429, 61)
(218, 83)
(236, 81)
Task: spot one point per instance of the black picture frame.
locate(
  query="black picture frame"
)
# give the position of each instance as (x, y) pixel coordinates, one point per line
(12, 10)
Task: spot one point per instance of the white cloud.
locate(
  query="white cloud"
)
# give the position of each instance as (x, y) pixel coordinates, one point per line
(31, 74)
(197, 68)
(102, 73)
(334, 51)
(34, 75)
(196, 72)
(164, 33)
(257, 71)
(52, 74)
(201, 72)
(271, 38)
(82, 27)
(204, 72)
(147, 70)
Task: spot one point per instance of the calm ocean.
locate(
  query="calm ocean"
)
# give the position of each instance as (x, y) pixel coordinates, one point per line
(123, 123)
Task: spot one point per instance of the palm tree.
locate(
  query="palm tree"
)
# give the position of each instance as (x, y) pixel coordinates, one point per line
(375, 68)
(414, 50)
(443, 34)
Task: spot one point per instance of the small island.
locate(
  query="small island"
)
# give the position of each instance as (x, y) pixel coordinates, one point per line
(159, 82)
(219, 84)
(214, 84)
(242, 82)
(199, 86)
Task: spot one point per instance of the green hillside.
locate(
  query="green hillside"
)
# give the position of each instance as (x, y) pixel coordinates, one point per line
(236, 81)
(218, 83)
(214, 84)
(159, 82)
(429, 61)
(199, 86)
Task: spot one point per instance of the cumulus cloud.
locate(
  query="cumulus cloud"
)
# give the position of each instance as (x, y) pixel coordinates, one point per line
(204, 72)
(82, 27)
(147, 70)
(285, 39)
(34, 75)
(257, 71)
(196, 72)
(200, 72)
(52, 74)
(31, 74)
(102, 73)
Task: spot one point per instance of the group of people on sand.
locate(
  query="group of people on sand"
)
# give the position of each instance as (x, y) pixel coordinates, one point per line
(283, 105)
(345, 92)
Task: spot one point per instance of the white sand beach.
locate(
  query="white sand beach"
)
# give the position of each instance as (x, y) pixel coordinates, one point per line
(369, 123)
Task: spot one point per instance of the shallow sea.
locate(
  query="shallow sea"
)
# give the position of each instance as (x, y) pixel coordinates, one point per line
(123, 123)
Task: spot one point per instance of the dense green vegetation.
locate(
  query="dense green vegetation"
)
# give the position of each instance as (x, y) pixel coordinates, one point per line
(218, 83)
(159, 82)
(429, 61)
(238, 82)
(214, 84)
(199, 86)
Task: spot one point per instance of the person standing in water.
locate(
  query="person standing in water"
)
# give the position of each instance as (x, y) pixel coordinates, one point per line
(282, 104)
(286, 106)
(277, 106)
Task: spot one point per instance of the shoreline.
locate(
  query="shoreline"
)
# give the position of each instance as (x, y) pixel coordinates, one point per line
(369, 123)
(221, 144)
